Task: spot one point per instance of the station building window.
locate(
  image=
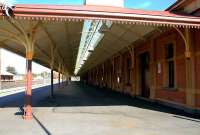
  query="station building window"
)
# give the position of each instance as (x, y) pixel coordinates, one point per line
(128, 71)
(170, 65)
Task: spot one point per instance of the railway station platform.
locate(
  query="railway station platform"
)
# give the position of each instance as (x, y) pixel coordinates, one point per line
(88, 110)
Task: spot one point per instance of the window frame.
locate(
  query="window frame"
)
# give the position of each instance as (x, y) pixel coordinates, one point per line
(166, 65)
(128, 70)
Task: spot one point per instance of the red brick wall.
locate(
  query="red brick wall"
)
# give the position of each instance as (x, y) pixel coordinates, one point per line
(180, 45)
(197, 66)
(197, 72)
(180, 74)
(197, 44)
(177, 95)
(142, 48)
(198, 100)
(158, 58)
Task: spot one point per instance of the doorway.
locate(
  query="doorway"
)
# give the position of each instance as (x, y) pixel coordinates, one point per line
(145, 75)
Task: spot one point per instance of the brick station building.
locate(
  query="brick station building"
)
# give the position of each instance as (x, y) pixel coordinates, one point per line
(163, 66)
(153, 55)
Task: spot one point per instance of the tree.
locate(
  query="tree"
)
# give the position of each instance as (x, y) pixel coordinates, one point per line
(44, 74)
(11, 69)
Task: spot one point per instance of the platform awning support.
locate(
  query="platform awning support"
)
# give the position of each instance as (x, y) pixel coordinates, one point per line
(52, 87)
(30, 41)
(28, 92)
(59, 79)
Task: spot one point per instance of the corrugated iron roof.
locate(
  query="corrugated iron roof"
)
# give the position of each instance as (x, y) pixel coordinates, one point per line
(115, 14)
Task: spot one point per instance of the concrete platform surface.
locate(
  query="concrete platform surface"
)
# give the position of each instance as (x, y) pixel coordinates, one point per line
(85, 110)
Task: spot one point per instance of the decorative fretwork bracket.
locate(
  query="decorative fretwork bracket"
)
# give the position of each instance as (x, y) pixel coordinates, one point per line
(186, 38)
(131, 51)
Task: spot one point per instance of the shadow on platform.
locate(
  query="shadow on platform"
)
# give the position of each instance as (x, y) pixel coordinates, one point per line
(79, 95)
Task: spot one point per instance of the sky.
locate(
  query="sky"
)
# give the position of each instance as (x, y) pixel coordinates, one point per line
(19, 62)
(10, 59)
(138, 4)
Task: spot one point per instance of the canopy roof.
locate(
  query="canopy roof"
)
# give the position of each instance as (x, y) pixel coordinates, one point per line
(61, 27)
(78, 13)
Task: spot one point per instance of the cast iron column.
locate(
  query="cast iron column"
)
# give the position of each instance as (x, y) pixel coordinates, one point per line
(28, 92)
(59, 80)
(52, 93)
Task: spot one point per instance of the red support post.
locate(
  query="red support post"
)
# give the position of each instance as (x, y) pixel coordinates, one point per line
(28, 93)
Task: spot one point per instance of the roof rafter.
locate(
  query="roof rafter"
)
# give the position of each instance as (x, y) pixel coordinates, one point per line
(53, 44)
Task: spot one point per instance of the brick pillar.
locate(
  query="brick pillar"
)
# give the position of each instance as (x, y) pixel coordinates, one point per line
(190, 72)
(121, 84)
(113, 75)
(133, 80)
(152, 70)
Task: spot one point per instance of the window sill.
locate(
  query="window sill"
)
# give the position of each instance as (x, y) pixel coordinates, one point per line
(170, 89)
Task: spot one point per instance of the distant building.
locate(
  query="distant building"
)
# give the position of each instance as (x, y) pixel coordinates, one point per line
(6, 76)
(19, 77)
